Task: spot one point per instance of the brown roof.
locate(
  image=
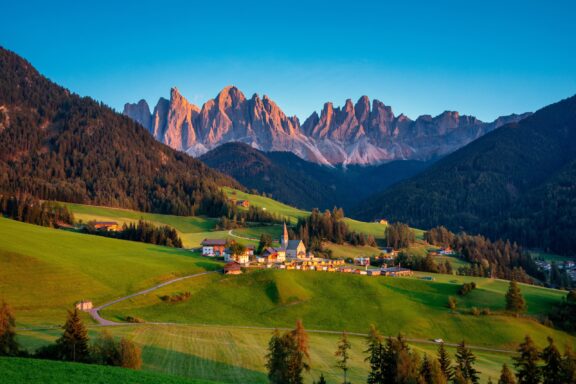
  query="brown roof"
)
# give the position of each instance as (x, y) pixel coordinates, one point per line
(209, 242)
(232, 266)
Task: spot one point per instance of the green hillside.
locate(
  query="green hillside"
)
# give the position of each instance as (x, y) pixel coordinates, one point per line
(30, 371)
(44, 271)
(334, 301)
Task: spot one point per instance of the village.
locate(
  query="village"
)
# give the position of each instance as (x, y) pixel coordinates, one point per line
(292, 255)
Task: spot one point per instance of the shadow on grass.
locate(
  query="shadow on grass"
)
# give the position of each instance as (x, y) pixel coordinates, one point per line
(192, 366)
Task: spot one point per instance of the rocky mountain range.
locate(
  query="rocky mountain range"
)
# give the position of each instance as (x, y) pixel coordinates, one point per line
(361, 133)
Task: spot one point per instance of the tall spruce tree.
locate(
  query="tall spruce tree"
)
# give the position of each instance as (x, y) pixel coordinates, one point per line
(8, 344)
(73, 344)
(465, 361)
(514, 300)
(299, 356)
(445, 362)
(276, 359)
(506, 376)
(374, 351)
(526, 362)
(342, 355)
(552, 369)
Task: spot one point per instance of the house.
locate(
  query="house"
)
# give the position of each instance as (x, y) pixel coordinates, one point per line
(243, 203)
(294, 248)
(84, 305)
(241, 259)
(213, 247)
(447, 251)
(232, 268)
(374, 272)
(106, 226)
(383, 221)
(395, 271)
(363, 261)
(272, 255)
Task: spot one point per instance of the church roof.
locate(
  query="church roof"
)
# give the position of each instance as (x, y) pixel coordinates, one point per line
(293, 244)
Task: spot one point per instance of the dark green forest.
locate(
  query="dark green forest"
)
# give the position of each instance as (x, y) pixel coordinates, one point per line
(517, 182)
(56, 145)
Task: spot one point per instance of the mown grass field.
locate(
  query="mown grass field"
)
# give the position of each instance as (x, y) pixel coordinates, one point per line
(30, 371)
(334, 301)
(236, 355)
(44, 271)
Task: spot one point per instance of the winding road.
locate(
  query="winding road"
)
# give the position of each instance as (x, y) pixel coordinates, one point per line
(95, 313)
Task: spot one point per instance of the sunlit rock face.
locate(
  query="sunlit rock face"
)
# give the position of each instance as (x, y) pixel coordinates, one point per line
(360, 133)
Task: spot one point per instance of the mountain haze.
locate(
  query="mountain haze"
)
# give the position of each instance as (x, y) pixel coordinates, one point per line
(362, 133)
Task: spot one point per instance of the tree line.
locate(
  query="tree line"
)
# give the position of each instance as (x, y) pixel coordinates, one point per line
(328, 226)
(73, 345)
(236, 218)
(30, 210)
(392, 361)
(500, 259)
(142, 231)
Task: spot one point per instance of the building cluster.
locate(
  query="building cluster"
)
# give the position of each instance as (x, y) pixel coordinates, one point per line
(292, 255)
(568, 265)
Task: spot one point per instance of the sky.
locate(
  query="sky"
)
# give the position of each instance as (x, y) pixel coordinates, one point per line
(484, 58)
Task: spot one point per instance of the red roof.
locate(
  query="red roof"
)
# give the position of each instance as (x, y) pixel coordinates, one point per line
(232, 266)
(210, 242)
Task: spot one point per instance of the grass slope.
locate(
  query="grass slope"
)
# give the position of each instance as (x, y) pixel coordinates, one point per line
(44, 271)
(236, 355)
(31, 371)
(328, 301)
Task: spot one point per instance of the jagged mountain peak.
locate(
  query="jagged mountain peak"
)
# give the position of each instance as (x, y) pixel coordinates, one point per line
(355, 133)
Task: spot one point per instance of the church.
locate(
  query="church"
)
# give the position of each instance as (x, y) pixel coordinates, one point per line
(295, 249)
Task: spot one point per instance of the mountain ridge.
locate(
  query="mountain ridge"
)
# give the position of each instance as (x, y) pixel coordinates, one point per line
(361, 133)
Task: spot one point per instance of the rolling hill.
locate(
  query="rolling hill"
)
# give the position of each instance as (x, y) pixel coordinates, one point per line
(516, 182)
(57, 145)
(303, 184)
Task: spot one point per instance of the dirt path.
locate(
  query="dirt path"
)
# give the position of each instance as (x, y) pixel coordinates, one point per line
(95, 312)
(242, 237)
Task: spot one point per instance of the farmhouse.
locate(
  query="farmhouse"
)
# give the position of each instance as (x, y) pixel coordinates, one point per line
(294, 248)
(213, 247)
(395, 271)
(84, 305)
(363, 261)
(232, 268)
(272, 255)
(106, 226)
(243, 203)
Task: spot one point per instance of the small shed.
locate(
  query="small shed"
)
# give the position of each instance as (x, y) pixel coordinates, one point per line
(84, 305)
(232, 268)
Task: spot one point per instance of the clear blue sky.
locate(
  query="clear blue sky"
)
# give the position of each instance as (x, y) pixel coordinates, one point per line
(485, 58)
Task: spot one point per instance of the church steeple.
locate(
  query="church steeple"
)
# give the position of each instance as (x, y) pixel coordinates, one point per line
(284, 238)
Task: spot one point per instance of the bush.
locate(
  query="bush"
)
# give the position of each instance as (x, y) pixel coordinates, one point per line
(176, 298)
(486, 312)
(475, 311)
(452, 303)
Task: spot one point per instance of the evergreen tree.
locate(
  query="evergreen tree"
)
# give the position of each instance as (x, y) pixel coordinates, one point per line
(506, 376)
(8, 344)
(73, 344)
(276, 359)
(265, 241)
(445, 362)
(321, 380)
(374, 351)
(568, 367)
(105, 350)
(459, 377)
(526, 363)
(465, 361)
(551, 371)
(514, 299)
(342, 355)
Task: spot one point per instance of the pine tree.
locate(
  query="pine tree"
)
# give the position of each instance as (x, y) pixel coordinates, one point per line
(445, 362)
(459, 377)
(321, 380)
(465, 361)
(342, 355)
(276, 359)
(8, 344)
(299, 356)
(426, 370)
(506, 376)
(551, 371)
(526, 363)
(374, 351)
(73, 344)
(514, 300)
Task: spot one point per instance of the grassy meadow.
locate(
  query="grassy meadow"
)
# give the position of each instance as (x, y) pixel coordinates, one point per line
(45, 271)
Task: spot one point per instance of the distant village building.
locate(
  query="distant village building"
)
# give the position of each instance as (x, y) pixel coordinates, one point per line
(395, 271)
(84, 305)
(232, 268)
(106, 226)
(294, 248)
(383, 221)
(243, 203)
(362, 261)
(213, 247)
